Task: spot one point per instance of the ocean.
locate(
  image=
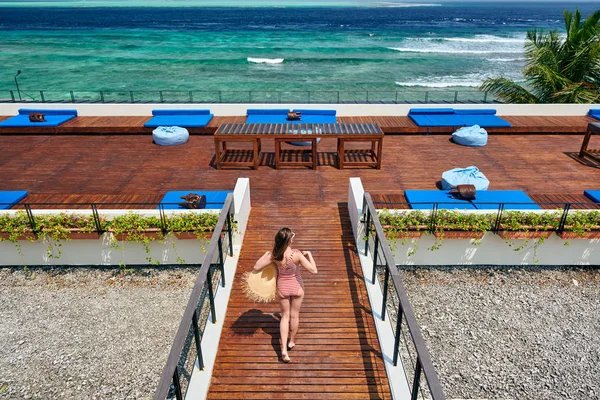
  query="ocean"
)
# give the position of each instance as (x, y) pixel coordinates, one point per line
(238, 50)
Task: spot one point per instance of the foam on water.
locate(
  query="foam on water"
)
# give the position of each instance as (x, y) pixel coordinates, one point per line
(265, 60)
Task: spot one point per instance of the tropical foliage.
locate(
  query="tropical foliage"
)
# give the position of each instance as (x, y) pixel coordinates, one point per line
(561, 68)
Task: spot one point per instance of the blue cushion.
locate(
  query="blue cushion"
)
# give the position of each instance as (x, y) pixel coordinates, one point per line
(267, 119)
(594, 113)
(426, 198)
(593, 194)
(185, 121)
(495, 197)
(267, 111)
(10, 198)
(316, 112)
(22, 120)
(214, 198)
(420, 120)
(485, 121)
(429, 111)
(180, 112)
(436, 120)
(475, 111)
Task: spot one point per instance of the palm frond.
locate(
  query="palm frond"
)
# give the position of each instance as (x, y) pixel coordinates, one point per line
(508, 91)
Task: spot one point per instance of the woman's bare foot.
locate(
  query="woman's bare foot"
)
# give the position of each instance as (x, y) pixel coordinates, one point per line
(286, 358)
(291, 345)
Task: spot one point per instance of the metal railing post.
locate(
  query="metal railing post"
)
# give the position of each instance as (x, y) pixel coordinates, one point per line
(309, 93)
(375, 254)
(191, 94)
(163, 218)
(72, 97)
(367, 231)
(12, 96)
(42, 96)
(221, 261)
(498, 217)
(485, 96)
(97, 220)
(426, 96)
(385, 290)
(211, 295)
(398, 333)
(433, 217)
(230, 233)
(455, 96)
(338, 97)
(220, 97)
(177, 384)
(563, 218)
(102, 96)
(160, 94)
(416, 380)
(197, 339)
(131, 96)
(30, 218)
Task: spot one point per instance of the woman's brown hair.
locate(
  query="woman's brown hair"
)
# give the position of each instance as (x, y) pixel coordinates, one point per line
(283, 239)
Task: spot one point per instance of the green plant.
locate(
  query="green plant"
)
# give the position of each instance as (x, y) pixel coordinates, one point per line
(526, 221)
(57, 227)
(581, 222)
(200, 224)
(397, 225)
(559, 70)
(132, 227)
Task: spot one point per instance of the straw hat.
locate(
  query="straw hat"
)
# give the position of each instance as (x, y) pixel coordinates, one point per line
(261, 285)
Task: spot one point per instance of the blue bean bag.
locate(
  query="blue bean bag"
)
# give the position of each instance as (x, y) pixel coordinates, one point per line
(170, 135)
(459, 176)
(474, 136)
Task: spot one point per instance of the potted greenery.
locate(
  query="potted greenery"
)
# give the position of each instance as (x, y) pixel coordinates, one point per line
(16, 227)
(134, 227)
(581, 225)
(67, 226)
(192, 225)
(402, 225)
(454, 224)
(528, 225)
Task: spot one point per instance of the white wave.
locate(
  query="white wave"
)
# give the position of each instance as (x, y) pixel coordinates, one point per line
(453, 51)
(265, 60)
(506, 59)
(439, 84)
(485, 39)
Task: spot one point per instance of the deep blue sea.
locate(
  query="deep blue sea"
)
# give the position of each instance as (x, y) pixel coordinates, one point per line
(450, 46)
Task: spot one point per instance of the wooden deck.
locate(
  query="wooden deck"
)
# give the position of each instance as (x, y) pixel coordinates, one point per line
(391, 125)
(130, 165)
(337, 354)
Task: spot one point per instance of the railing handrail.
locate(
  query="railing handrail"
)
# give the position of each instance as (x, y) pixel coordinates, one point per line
(183, 329)
(435, 387)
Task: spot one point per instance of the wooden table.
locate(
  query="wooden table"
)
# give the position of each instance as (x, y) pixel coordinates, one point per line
(254, 133)
(593, 129)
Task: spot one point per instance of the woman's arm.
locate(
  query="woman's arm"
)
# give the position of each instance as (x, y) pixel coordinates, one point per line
(307, 261)
(263, 262)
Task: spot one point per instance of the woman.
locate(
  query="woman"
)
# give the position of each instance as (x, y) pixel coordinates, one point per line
(289, 284)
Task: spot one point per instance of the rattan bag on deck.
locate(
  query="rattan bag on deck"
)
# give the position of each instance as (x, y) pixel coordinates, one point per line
(261, 285)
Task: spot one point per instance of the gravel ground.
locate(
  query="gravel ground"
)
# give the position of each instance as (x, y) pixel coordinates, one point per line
(88, 333)
(511, 334)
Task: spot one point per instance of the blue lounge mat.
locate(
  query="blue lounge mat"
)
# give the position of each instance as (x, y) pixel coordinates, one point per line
(184, 121)
(485, 200)
(426, 198)
(484, 121)
(214, 198)
(10, 198)
(53, 118)
(593, 194)
(494, 198)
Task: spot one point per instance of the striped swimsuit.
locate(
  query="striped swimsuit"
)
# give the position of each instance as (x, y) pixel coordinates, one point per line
(289, 280)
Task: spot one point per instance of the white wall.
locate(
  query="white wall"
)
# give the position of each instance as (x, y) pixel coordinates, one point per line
(342, 109)
(494, 250)
(242, 205)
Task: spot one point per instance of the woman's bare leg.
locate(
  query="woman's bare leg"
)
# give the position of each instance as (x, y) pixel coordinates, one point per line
(284, 326)
(296, 302)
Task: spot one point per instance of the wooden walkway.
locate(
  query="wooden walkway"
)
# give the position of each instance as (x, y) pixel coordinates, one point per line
(337, 353)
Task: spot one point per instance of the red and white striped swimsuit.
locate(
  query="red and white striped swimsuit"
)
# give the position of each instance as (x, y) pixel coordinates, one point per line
(289, 280)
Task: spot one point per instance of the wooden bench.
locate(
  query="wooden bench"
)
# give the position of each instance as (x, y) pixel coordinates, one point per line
(254, 133)
(593, 129)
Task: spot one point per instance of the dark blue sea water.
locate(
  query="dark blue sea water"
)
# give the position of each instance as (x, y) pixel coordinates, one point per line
(382, 49)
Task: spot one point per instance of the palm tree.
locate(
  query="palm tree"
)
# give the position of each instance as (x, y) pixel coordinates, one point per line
(559, 69)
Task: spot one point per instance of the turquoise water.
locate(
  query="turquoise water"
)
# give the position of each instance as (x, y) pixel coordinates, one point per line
(448, 47)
